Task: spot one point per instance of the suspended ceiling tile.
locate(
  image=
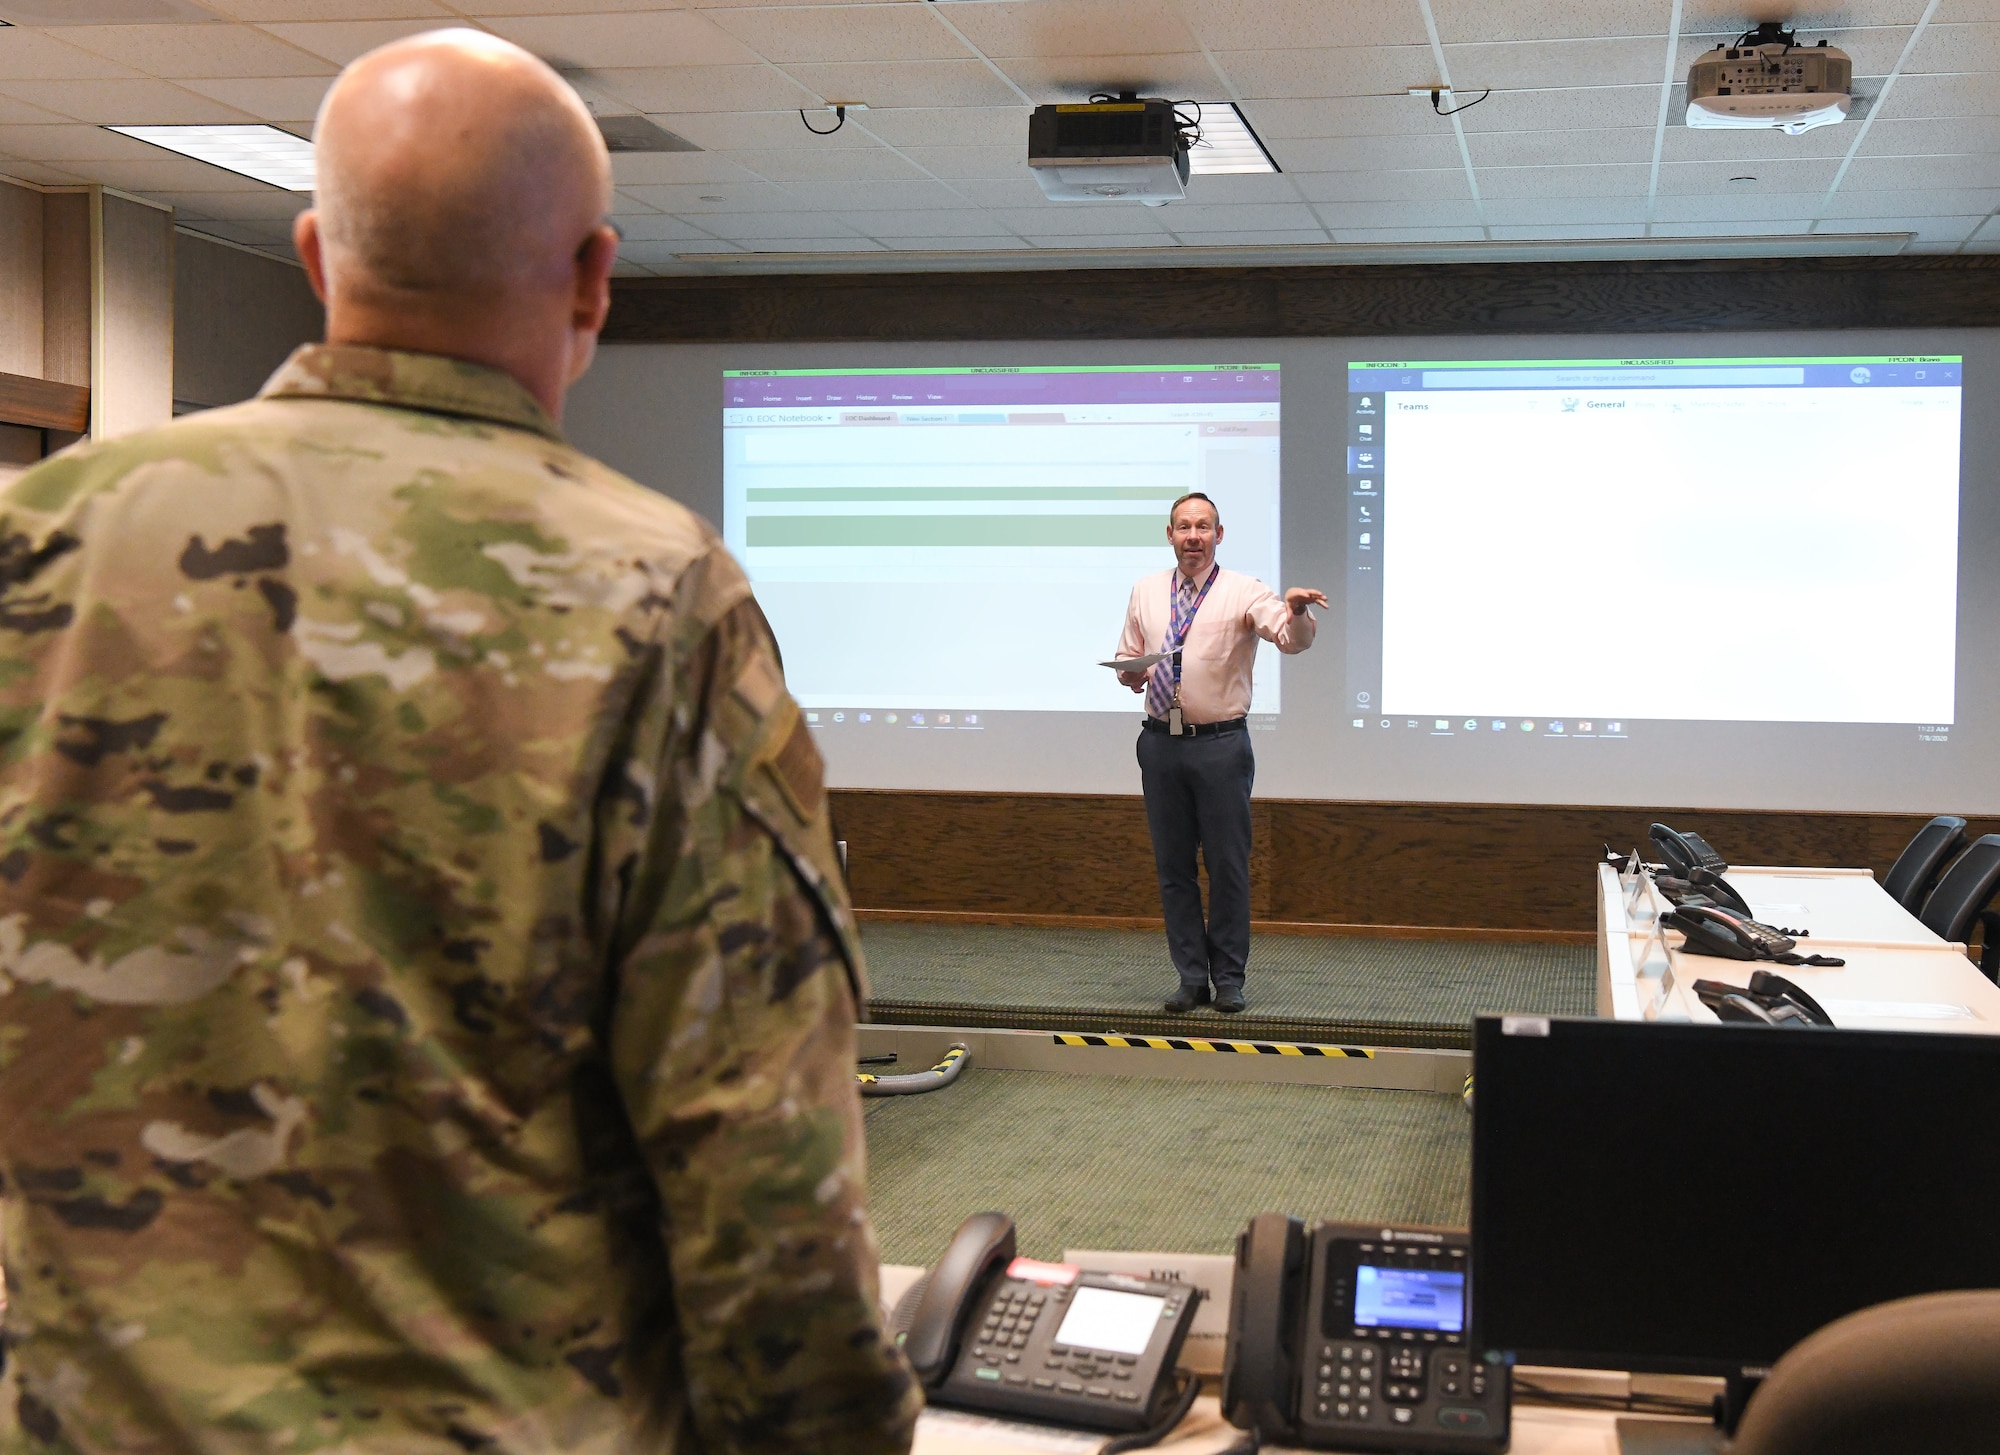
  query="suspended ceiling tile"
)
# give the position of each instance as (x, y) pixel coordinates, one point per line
(1708, 178)
(1436, 184)
(906, 32)
(738, 225)
(845, 243)
(1927, 229)
(1517, 65)
(1771, 227)
(266, 204)
(1274, 239)
(340, 41)
(274, 98)
(651, 227)
(897, 196)
(1409, 235)
(70, 142)
(1899, 174)
(1227, 25)
(967, 222)
(29, 55)
(1727, 17)
(1931, 137)
(970, 126)
(1603, 181)
(907, 83)
(1568, 231)
(1242, 187)
(1111, 240)
(716, 245)
(1560, 148)
(1988, 236)
(1084, 220)
(661, 38)
(760, 130)
(20, 113)
(1950, 202)
(1524, 211)
(1001, 243)
(970, 163)
(1364, 153)
(1948, 97)
(1344, 117)
(1689, 144)
(641, 169)
(703, 88)
(1461, 21)
(41, 174)
(260, 12)
(626, 268)
(264, 234)
(1734, 207)
(1289, 74)
(1555, 110)
(799, 164)
(1019, 190)
(1181, 75)
(1399, 214)
(123, 103)
(174, 51)
(667, 254)
(1074, 27)
(707, 197)
(1265, 217)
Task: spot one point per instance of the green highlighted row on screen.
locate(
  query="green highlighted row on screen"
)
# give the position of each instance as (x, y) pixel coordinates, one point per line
(959, 492)
(954, 530)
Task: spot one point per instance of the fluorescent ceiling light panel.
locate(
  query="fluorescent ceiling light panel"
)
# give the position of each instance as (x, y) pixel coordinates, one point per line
(263, 152)
(1227, 144)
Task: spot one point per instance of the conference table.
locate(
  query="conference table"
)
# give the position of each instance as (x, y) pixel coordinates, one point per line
(1899, 975)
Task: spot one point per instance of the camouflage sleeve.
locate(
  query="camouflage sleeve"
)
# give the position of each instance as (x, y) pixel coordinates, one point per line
(739, 976)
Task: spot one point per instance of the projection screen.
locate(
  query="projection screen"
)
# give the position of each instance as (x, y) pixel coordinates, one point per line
(1726, 570)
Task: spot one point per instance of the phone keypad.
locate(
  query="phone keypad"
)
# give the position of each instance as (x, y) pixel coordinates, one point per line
(1009, 1320)
(1347, 1386)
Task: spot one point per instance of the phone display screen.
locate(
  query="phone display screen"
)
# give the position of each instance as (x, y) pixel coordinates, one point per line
(1117, 1323)
(1409, 1298)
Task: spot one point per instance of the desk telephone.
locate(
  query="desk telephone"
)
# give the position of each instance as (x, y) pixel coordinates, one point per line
(989, 1331)
(1770, 1000)
(1356, 1337)
(1711, 930)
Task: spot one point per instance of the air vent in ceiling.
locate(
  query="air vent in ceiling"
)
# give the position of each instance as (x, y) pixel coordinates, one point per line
(641, 134)
(101, 12)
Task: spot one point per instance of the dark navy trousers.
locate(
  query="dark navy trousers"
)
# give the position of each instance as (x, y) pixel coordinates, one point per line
(1198, 800)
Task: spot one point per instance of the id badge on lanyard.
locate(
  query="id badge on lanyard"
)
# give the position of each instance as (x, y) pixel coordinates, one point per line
(1177, 629)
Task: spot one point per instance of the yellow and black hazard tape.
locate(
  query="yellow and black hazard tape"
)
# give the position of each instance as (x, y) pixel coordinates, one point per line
(1240, 1048)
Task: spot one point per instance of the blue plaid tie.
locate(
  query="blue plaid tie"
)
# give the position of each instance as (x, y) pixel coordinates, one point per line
(1160, 680)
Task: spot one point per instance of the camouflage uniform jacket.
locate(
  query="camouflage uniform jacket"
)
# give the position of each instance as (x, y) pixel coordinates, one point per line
(426, 986)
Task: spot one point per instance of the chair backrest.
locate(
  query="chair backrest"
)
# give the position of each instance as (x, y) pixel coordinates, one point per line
(1916, 868)
(1920, 1374)
(1964, 891)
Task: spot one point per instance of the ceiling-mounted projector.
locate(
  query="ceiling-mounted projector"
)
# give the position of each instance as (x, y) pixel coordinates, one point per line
(1766, 79)
(1131, 149)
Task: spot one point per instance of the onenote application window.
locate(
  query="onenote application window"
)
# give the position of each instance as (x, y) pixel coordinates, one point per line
(1577, 547)
(1409, 1298)
(933, 546)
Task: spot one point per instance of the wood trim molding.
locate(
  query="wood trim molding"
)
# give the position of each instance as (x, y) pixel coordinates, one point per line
(1492, 870)
(1257, 926)
(1661, 296)
(43, 403)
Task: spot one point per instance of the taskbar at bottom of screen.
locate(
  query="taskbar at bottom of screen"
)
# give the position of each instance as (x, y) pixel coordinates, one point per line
(955, 720)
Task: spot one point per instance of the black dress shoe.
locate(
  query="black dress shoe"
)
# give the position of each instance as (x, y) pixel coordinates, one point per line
(1229, 1000)
(1187, 998)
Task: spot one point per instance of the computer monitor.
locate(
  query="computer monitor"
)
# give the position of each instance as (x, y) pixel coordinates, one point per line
(1697, 1199)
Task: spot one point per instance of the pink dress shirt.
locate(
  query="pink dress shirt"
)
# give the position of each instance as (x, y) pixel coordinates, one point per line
(1221, 646)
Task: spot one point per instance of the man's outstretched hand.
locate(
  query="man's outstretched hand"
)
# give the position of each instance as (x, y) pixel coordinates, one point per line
(1300, 597)
(1134, 680)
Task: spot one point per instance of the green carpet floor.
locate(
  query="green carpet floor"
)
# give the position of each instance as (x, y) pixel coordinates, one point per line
(1131, 1163)
(1393, 992)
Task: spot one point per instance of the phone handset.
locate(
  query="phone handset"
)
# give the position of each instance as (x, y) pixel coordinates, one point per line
(928, 1320)
(1713, 931)
(1260, 1365)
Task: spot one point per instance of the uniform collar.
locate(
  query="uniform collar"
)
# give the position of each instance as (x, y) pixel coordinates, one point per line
(430, 382)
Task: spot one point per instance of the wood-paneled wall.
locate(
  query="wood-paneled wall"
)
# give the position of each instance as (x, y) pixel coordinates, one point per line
(1692, 296)
(1511, 868)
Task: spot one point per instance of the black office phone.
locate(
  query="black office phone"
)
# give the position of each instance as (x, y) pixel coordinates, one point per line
(1358, 1337)
(1711, 930)
(987, 1330)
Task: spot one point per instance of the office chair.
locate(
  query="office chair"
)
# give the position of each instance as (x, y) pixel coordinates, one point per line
(1916, 868)
(1967, 885)
(1918, 1374)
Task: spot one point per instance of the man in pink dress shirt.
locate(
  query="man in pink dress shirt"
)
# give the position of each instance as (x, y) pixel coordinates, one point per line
(1194, 754)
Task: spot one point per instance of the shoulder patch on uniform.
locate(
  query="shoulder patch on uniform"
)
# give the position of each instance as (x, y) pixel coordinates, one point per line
(759, 686)
(800, 770)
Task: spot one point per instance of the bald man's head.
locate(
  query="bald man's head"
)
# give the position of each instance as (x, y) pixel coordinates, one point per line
(455, 166)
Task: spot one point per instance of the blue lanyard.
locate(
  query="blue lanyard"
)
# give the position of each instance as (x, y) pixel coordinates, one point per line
(1177, 624)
